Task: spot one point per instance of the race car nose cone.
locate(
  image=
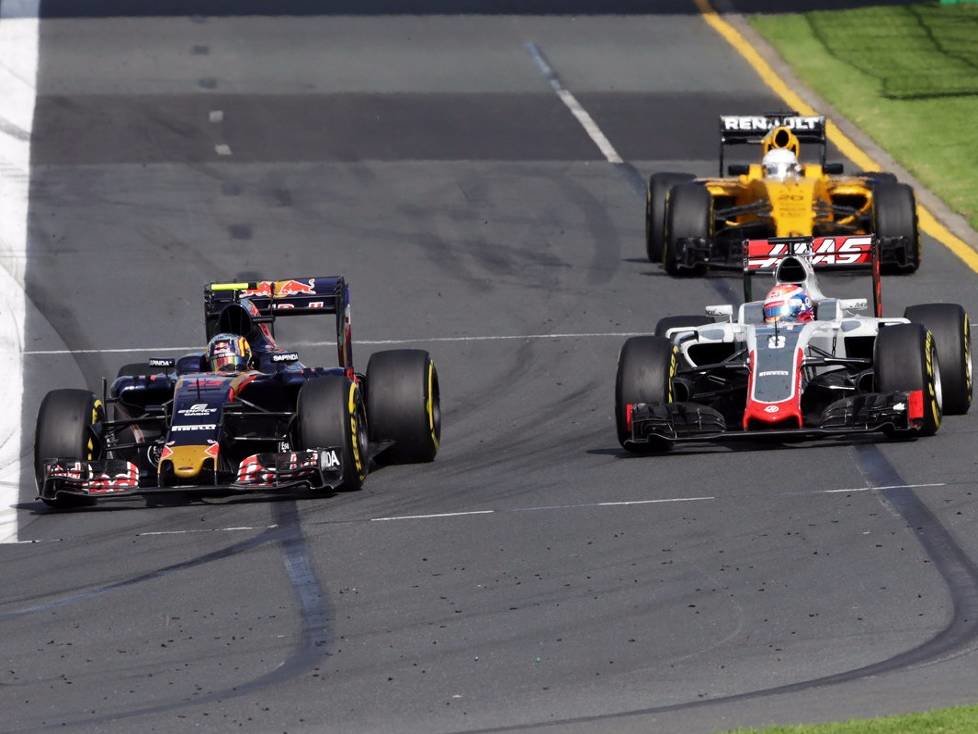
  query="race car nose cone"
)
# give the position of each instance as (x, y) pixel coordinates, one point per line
(188, 461)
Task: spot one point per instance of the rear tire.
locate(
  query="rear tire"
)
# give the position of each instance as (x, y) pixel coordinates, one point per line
(951, 328)
(646, 368)
(895, 215)
(905, 358)
(331, 413)
(404, 404)
(655, 210)
(671, 322)
(65, 430)
(689, 214)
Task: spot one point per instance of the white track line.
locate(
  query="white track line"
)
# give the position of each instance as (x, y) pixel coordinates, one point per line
(374, 342)
(892, 486)
(206, 530)
(581, 114)
(18, 80)
(432, 516)
(583, 505)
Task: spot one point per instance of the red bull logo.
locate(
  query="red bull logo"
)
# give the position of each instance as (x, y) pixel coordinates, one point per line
(280, 289)
(285, 288)
(263, 288)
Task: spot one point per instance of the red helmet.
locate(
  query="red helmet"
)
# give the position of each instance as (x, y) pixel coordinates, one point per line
(788, 302)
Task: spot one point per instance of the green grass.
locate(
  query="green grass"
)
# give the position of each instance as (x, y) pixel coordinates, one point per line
(947, 721)
(906, 75)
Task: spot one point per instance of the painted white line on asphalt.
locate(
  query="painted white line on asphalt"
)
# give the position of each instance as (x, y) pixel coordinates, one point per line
(433, 516)
(18, 82)
(892, 486)
(331, 343)
(581, 114)
(652, 502)
(222, 149)
(206, 530)
(216, 116)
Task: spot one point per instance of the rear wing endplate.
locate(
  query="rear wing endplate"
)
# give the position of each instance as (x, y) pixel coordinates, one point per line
(838, 252)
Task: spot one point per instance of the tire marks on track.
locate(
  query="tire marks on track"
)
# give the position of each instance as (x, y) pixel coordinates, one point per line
(311, 641)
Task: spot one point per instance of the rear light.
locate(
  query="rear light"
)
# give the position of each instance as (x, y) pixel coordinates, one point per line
(915, 406)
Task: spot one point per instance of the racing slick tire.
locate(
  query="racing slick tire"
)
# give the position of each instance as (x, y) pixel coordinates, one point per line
(905, 358)
(646, 368)
(404, 404)
(688, 215)
(671, 322)
(64, 430)
(330, 412)
(656, 194)
(895, 216)
(951, 328)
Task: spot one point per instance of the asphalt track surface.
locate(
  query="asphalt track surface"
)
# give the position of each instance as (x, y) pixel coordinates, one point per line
(427, 159)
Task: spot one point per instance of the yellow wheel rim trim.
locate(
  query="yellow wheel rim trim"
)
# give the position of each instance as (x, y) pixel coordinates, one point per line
(430, 403)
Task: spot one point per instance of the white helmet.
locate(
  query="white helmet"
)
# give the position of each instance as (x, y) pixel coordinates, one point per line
(780, 163)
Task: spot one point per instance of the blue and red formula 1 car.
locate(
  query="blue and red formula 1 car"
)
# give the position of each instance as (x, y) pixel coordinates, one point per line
(270, 423)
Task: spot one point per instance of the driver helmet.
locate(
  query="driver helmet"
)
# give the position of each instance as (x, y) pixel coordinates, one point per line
(788, 302)
(780, 164)
(228, 353)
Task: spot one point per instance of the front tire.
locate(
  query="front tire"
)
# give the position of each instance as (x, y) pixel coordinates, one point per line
(905, 358)
(895, 216)
(404, 404)
(646, 368)
(951, 328)
(656, 194)
(67, 428)
(689, 214)
(331, 413)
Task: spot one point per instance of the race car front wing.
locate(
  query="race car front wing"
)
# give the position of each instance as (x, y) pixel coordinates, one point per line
(688, 421)
(315, 469)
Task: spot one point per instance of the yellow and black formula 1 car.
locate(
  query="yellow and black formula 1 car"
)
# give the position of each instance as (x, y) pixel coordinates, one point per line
(692, 224)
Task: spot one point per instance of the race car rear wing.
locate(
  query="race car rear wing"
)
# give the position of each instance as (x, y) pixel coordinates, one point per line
(839, 252)
(751, 129)
(307, 296)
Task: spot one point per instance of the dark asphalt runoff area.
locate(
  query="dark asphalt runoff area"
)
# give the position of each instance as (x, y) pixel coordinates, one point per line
(534, 576)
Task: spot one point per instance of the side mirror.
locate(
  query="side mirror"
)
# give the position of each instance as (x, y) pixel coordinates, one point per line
(723, 312)
(833, 169)
(853, 304)
(738, 169)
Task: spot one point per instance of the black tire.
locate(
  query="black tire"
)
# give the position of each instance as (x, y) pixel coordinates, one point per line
(951, 328)
(64, 430)
(330, 412)
(689, 214)
(895, 215)
(404, 404)
(905, 358)
(671, 322)
(646, 368)
(655, 210)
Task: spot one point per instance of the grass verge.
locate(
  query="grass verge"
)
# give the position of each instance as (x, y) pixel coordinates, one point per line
(906, 75)
(962, 720)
